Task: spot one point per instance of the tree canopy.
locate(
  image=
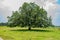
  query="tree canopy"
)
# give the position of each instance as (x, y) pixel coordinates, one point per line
(31, 15)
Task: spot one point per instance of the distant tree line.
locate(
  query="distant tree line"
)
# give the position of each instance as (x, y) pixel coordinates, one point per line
(3, 24)
(30, 15)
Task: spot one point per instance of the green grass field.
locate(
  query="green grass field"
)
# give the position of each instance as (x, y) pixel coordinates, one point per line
(18, 33)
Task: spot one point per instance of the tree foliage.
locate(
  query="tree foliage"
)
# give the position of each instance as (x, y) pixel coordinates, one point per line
(31, 15)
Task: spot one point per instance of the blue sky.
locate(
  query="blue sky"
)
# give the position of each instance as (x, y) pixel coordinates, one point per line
(58, 2)
(57, 20)
(51, 6)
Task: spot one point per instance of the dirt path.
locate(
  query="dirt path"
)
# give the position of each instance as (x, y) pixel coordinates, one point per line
(1, 38)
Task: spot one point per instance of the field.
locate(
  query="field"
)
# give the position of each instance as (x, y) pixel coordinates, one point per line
(18, 33)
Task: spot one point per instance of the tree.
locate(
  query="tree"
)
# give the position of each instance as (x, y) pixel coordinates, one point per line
(3, 24)
(31, 15)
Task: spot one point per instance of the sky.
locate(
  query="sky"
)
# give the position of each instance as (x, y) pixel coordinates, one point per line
(51, 6)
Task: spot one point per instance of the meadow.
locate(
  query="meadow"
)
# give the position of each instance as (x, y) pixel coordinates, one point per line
(18, 33)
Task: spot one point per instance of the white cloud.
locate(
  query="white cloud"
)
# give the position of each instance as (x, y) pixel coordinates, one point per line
(14, 4)
(4, 11)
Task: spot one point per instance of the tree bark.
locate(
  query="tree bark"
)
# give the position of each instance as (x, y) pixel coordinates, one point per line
(29, 28)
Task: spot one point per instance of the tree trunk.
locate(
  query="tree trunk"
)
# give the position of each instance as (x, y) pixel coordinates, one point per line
(29, 28)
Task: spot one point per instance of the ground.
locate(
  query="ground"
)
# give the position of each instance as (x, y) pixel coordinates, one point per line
(18, 33)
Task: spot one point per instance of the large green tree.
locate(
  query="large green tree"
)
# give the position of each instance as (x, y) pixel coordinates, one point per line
(29, 14)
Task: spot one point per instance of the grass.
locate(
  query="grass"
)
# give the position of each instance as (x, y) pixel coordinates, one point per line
(18, 33)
